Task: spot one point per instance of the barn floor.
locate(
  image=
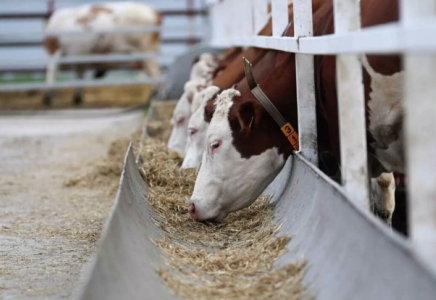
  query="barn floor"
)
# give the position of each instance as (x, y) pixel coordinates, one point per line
(48, 226)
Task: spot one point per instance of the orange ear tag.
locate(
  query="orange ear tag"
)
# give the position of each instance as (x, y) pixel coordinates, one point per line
(291, 134)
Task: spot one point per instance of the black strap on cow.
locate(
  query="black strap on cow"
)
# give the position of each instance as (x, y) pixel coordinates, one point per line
(285, 126)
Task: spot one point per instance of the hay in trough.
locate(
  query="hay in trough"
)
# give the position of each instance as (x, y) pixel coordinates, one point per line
(229, 260)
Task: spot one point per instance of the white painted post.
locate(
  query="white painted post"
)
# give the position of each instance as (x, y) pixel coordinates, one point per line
(420, 134)
(235, 9)
(224, 12)
(351, 109)
(307, 130)
(260, 14)
(279, 16)
(246, 18)
(214, 15)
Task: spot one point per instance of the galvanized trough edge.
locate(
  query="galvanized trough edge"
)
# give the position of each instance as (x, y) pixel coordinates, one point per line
(124, 265)
(350, 255)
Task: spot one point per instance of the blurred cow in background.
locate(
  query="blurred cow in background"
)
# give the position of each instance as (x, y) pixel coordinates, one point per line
(101, 17)
(181, 114)
(200, 77)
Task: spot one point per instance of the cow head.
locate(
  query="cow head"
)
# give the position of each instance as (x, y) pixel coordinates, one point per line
(209, 59)
(181, 115)
(244, 152)
(197, 128)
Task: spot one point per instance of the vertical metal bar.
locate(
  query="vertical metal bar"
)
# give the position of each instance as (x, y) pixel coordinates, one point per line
(420, 136)
(279, 16)
(191, 21)
(306, 84)
(260, 14)
(351, 109)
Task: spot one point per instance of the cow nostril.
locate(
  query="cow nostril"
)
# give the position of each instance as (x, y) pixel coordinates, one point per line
(191, 209)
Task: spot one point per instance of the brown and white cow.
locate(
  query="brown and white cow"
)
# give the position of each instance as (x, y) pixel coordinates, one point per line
(245, 149)
(230, 75)
(228, 72)
(102, 17)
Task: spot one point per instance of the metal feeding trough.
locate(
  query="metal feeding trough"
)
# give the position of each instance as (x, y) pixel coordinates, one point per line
(350, 254)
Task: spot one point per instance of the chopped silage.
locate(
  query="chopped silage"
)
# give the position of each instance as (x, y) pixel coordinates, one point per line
(229, 260)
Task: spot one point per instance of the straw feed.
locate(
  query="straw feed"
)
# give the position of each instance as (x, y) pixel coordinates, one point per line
(230, 260)
(105, 173)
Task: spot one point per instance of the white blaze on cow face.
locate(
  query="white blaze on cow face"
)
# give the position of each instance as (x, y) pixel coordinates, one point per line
(179, 122)
(204, 68)
(197, 129)
(226, 181)
(181, 115)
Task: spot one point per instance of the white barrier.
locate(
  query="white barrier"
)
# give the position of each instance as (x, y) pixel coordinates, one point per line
(411, 36)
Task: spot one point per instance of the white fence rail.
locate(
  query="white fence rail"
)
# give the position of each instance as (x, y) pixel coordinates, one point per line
(412, 36)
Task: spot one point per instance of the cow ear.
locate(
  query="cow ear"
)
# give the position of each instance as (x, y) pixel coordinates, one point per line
(209, 109)
(249, 115)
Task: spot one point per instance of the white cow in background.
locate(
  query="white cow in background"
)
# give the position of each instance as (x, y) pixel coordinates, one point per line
(200, 78)
(205, 67)
(181, 114)
(197, 128)
(96, 17)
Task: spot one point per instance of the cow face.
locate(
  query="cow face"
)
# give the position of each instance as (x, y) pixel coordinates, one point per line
(181, 115)
(197, 129)
(227, 180)
(179, 122)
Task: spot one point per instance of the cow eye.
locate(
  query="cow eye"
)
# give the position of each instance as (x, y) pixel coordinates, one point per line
(215, 145)
(180, 121)
(192, 131)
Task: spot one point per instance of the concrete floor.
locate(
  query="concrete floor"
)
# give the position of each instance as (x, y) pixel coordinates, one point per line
(49, 231)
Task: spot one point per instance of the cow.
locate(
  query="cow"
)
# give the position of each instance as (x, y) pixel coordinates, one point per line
(245, 148)
(204, 67)
(230, 72)
(197, 128)
(84, 18)
(265, 62)
(181, 114)
(200, 77)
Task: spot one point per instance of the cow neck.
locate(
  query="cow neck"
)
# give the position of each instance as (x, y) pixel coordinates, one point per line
(280, 87)
(286, 127)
